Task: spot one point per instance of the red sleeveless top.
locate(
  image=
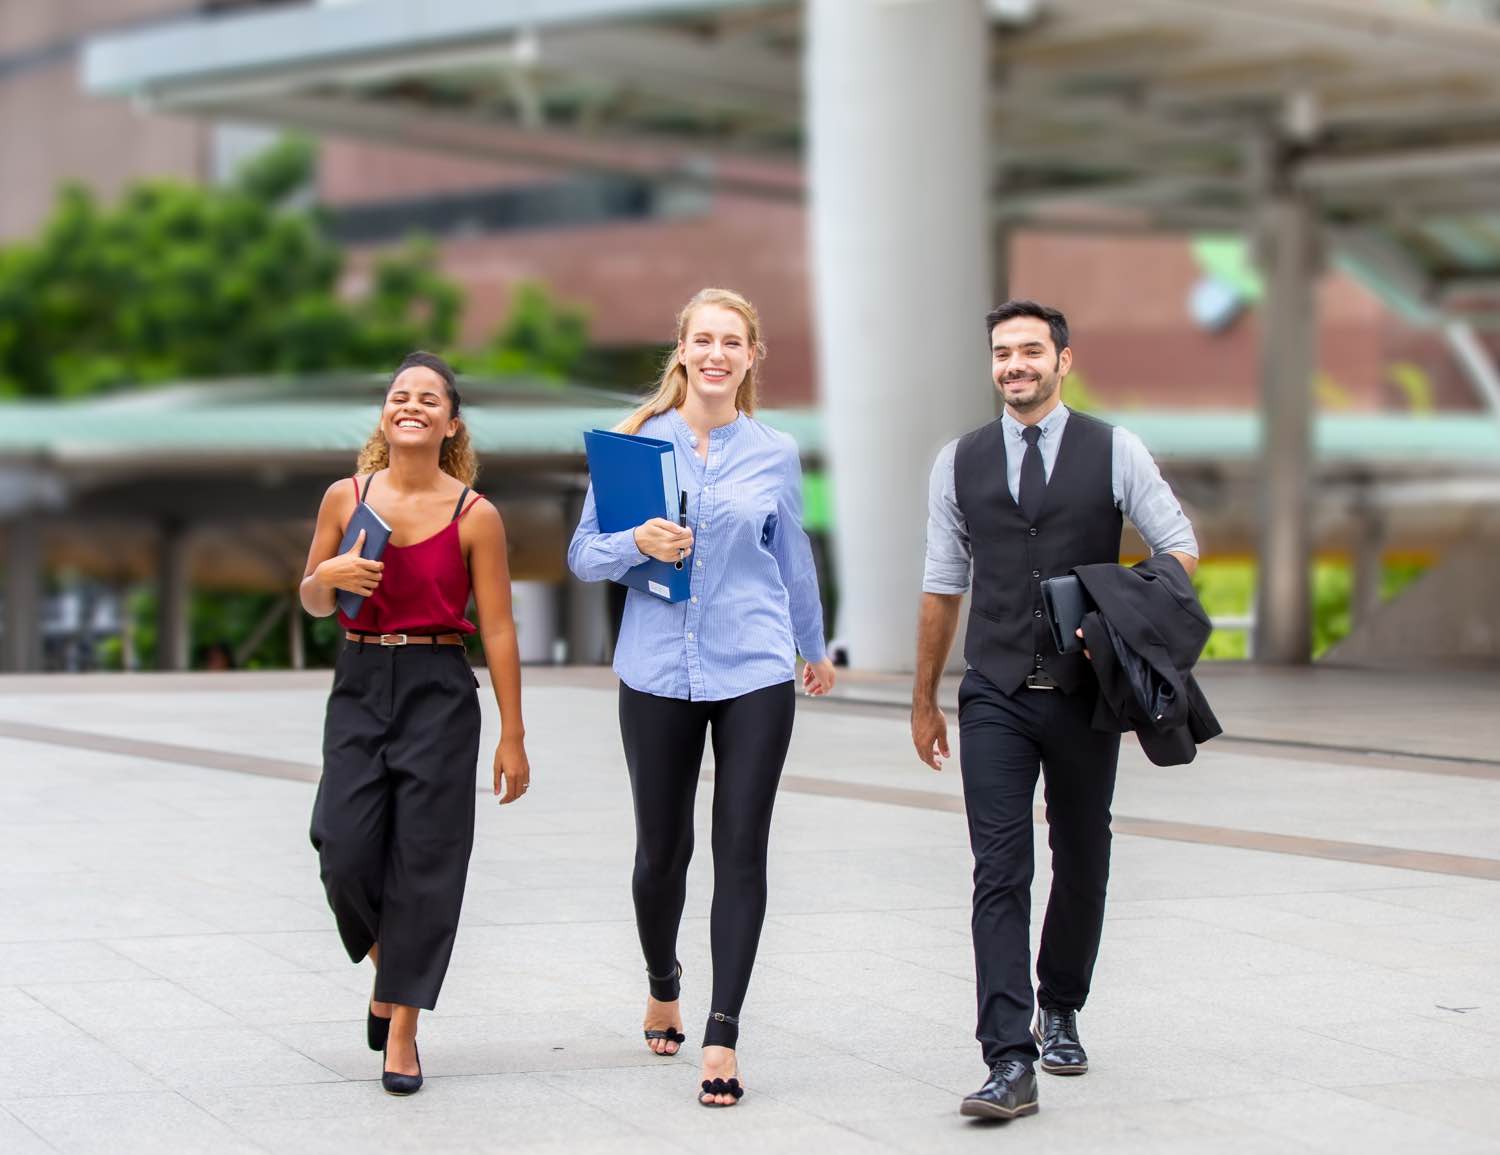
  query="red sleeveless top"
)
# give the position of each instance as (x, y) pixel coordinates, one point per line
(424, 588)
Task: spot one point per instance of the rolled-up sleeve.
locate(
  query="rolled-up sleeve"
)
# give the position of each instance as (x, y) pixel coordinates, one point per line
(794, 558)
(1143, 496)
(595, 556)
(949, 558)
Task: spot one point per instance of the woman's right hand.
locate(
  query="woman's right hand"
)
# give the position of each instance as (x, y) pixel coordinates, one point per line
(664, 540)
(350, 572)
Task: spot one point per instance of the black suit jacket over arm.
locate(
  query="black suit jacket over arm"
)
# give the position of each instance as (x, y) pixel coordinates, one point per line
(1145, 637)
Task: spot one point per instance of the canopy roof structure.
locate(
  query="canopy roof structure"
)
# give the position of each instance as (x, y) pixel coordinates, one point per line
(174, 429)
(1366, 131)
(1156, 113)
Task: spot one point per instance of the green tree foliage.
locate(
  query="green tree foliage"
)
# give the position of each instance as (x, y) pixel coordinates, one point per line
(180, 281)
(541, 338)
(1227, 589)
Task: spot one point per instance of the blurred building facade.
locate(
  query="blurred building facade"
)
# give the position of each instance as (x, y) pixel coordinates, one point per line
(631, 251)
(651, 189)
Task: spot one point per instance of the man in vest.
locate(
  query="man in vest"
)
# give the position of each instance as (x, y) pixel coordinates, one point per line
(1024, 498)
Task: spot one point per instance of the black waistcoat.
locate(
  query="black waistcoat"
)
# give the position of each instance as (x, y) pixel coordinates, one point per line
(1008, 635)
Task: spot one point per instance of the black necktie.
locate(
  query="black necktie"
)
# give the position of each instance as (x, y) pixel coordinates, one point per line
(1033, 476)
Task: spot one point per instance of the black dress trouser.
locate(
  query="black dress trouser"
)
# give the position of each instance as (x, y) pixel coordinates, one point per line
(1003, 741)
(664, 740)
(393, 822)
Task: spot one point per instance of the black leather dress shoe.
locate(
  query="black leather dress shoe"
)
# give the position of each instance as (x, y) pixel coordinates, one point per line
(1009, 1093)
(1056, 1034)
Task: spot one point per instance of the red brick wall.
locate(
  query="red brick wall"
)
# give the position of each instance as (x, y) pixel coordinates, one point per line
(52, 132)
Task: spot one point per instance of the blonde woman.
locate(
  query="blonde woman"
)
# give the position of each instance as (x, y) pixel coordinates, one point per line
(393, 822)
(720, 666)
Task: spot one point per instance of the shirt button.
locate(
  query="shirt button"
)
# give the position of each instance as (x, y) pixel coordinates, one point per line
(1036, 573)
(1034, 613)
(690, 637)
(699, 563)
(695, 601)
(1032, 531)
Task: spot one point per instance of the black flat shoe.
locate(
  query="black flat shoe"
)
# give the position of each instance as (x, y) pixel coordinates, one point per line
(396, 1083)
(721, 1087)
(1009, 1093)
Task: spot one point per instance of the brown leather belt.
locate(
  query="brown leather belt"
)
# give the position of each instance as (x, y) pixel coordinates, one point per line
(406, 639)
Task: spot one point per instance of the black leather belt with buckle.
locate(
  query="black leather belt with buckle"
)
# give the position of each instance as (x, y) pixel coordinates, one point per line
(1041, 682)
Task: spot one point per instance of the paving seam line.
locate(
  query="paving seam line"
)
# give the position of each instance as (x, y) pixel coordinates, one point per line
(1464, 866)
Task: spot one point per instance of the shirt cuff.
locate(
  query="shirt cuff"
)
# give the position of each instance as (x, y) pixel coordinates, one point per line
(935, 581)
(623, 548)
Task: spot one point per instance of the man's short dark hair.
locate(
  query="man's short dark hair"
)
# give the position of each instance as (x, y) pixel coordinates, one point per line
(1056, 322)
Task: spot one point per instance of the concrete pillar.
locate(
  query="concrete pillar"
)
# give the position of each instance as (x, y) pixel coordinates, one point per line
(583, 608)
(901, 232)
(173, 598)
(1368, 557)
(1288, 250)
(23, 596)
(1002, 233)
(296, 633)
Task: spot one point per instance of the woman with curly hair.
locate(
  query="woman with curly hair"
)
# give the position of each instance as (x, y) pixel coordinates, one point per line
(393, 822)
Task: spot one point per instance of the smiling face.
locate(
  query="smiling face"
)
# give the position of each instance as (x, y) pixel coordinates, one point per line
(417, 411)
(1026, 368)
(715, 350)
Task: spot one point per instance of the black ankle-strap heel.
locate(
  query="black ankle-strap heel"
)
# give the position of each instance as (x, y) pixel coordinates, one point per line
(722, 1031)
(665, 989)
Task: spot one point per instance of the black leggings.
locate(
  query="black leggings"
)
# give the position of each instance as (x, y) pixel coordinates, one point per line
(664, 750)
(393, 822)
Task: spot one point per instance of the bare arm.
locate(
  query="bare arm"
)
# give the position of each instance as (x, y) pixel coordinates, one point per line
(328, 571)
(937, 622)
(1189, 562)
(489, 570)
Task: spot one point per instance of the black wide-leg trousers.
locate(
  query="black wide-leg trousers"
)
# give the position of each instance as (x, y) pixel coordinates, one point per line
(393, 822)
(664, 739)
(1004, 740)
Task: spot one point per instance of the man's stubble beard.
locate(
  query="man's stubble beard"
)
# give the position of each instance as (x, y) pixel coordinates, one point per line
(1040, 397)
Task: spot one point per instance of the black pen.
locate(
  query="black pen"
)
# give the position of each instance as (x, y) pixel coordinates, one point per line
(681, 520)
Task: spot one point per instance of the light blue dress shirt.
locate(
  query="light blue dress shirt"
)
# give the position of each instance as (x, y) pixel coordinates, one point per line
(754, 592)
(1140, 492)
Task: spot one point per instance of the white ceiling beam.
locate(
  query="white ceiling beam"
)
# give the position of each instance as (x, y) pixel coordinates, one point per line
(638, 154)
(1332, 172)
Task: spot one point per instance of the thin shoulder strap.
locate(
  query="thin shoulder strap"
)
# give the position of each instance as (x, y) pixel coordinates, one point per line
(354, 481)
(478, 497)
(366, 493)
(459, 508)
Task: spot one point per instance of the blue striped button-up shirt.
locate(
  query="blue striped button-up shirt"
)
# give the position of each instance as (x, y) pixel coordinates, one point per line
(754, 592)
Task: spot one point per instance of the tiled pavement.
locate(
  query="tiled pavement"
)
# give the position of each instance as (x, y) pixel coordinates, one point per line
(1302, 951)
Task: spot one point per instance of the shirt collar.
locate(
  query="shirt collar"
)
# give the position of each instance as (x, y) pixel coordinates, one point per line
(1049, 425)
(721, 434)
